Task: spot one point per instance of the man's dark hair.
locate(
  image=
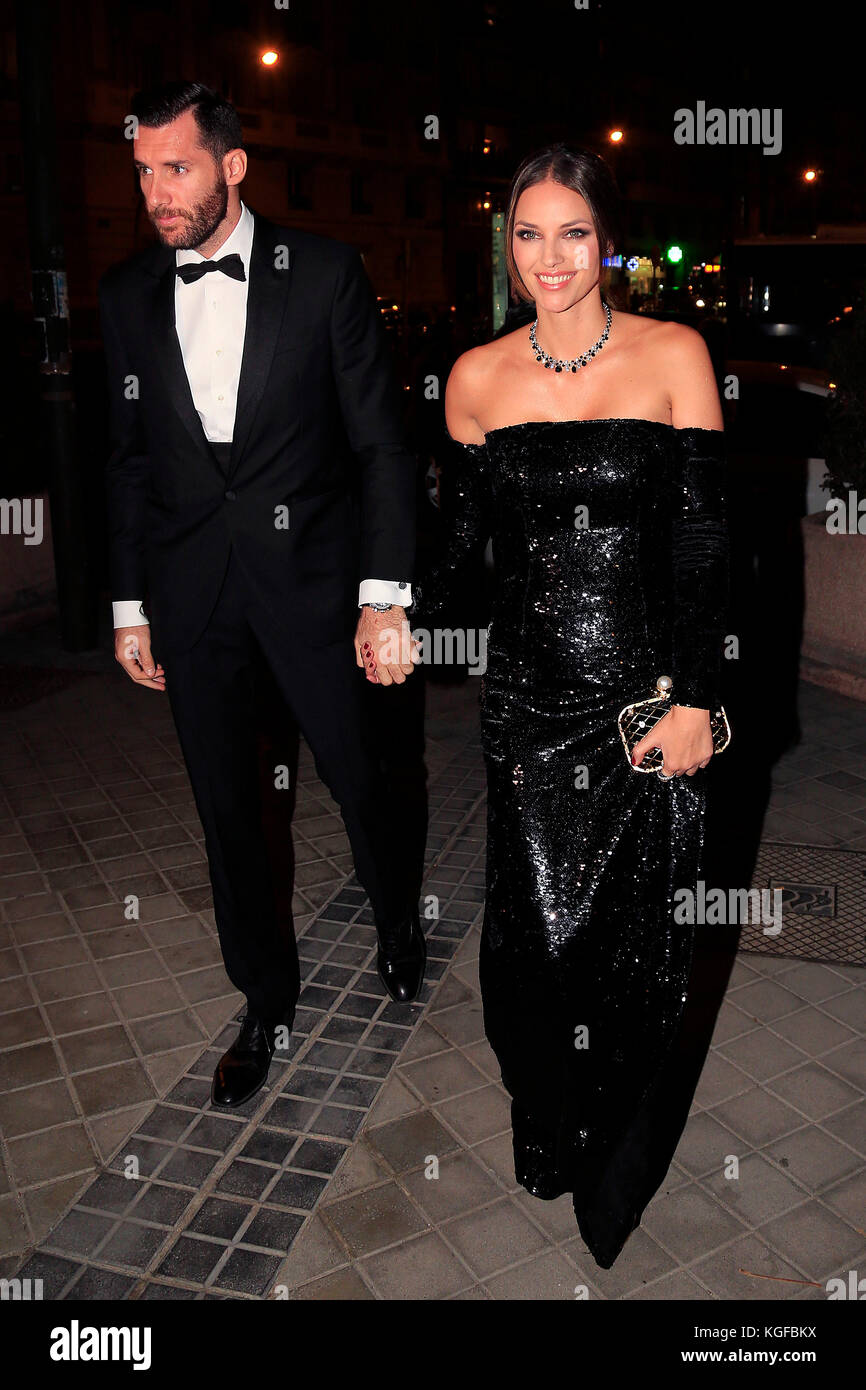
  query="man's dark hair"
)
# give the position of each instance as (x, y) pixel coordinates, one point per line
(218, 122)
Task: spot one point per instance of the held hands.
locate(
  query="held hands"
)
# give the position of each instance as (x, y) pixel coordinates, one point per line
(132, 650)
(384, 646)
(683, 735)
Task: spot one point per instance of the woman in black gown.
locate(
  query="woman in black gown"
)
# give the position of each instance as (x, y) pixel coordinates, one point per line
(610, 559)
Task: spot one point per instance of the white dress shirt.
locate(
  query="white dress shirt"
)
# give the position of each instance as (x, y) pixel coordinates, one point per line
(210, 321)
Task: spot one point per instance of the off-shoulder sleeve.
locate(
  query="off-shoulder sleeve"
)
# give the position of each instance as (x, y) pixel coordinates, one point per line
(467, 515)
(701, 565)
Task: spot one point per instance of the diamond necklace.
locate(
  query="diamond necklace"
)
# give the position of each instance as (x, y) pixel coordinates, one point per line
(556, 363)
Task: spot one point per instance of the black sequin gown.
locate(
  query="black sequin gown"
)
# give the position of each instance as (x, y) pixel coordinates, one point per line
(583, 969)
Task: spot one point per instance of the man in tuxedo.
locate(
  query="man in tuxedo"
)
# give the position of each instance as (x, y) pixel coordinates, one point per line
(261, 495)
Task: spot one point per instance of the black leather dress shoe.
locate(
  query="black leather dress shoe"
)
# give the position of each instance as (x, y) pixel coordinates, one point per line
(243, 1070)
(401, 958)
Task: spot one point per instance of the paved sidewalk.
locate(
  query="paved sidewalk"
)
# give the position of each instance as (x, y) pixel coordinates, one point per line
(325, 1185)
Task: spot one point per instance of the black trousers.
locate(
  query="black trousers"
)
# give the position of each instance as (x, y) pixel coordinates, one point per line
(212, 691)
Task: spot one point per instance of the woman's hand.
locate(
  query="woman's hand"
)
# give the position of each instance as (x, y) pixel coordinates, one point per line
(384, 646)
(685, 738)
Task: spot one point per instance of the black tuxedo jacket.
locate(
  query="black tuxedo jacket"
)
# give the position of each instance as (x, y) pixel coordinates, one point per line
(318, 430)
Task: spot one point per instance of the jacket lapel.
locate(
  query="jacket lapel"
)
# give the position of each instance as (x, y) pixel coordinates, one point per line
(169, 356)
(267, 296)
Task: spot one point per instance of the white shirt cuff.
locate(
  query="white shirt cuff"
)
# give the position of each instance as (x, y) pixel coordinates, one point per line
(128, 612)
(385, 591)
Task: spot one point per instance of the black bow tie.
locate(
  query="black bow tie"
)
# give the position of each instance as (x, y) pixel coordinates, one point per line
(231, 265)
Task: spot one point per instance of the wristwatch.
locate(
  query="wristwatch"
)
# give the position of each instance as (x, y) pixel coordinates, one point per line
(379, 607)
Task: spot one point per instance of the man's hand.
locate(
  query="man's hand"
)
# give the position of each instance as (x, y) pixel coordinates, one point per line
(132, 650)
(685, 738)
(384, 645)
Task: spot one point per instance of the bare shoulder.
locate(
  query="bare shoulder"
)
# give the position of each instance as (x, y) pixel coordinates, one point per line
(473, 366)
(478, 364)
(663, 335)
(468, 386)
(688, 372)
(687, 343)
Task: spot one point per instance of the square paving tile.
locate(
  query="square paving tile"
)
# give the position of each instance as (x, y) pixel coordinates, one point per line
(271, 1146)
(161, 1204)
(641, 1263)
(275, 1230)
(813, 1090)
(80, 1232)
(374, 1219)
(96, 1048)
(757, 1116)
(110, 1192)
(748, 1269)
(214, 1131)
(761, 1054)
(55, 1271)
(494, 1237)
(188, 1167)
(309, 1082)
(550, 1277)
(813, 1030)
(133, 1245)
(766, 1001)
(191, 1259)
(815, 1239)
(98, 1285)
(107, 1088)
(478, 1114)
(443, 1075)
(26, 1066)
(248, 1271)
(52, 1154)
(320, 1155)
(423, 1268)
(298, 1190)
(678, 1287)
(245, 1179)
(705, 1145)
(814, 1157)
(35, 1107)
(341, 1287)
(409, 1142)
(337, 1122)
(760, 1190)
(219, 1217)
(688, 1222)
(453, 1185)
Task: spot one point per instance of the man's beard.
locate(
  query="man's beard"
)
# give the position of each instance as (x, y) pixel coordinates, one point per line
(201, 221)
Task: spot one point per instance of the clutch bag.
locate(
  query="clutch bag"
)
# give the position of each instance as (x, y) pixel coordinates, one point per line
(641, 716)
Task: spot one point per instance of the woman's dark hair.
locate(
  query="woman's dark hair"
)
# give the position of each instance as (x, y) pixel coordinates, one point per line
(218, 122)
(589, 175)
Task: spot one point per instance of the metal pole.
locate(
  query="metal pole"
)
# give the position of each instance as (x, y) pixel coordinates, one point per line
(77, 609)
